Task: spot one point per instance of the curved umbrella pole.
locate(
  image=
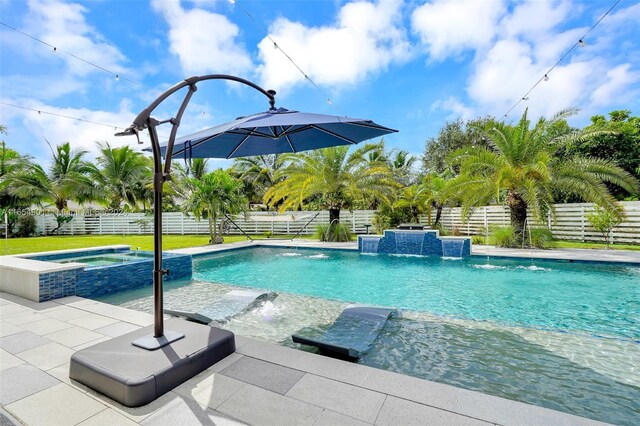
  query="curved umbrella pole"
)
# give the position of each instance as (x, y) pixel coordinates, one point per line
(162, 174)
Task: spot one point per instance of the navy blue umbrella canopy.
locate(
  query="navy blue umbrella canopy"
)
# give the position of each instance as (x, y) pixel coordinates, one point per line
(274, 132)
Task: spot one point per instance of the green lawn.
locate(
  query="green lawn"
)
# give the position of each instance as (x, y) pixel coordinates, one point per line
(590, 245)
(143, 242)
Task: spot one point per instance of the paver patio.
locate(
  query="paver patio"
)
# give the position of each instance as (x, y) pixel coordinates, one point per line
(261, 383)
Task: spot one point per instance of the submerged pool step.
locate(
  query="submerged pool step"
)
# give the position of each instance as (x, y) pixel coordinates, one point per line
(353, 333)
(230, 305)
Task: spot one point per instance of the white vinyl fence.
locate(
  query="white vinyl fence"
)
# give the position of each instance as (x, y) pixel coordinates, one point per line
(570, 222)
(178, 223)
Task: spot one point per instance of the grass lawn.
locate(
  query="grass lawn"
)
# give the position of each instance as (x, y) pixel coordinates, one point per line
(591, 245)
(144, 242)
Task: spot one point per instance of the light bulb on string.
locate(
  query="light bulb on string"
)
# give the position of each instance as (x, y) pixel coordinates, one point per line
(55, 49)
(117, 77)
(546, 78)
(582, 43)
(525, 98)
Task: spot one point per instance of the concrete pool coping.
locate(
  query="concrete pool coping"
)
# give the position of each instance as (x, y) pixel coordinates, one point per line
(583, 255)
(262, 383)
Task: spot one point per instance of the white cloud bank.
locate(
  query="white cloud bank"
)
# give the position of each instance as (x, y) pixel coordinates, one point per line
(366, 38)
(203, 41)
(513, 48)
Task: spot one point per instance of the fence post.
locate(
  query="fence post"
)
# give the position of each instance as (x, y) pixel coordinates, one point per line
(582, 222)
(100, 224)
(353, 221)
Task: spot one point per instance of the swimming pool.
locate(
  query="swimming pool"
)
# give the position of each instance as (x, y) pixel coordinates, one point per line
(556, 334)
(108, 259)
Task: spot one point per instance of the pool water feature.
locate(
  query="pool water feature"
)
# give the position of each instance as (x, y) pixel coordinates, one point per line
(466, 322)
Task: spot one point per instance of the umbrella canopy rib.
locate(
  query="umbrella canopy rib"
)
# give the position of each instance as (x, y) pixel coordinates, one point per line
(335, 135)
(289, 142)
(240, 144)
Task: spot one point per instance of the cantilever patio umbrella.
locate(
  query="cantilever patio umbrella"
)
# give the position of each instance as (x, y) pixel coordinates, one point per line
(165, 359)
(275, 131)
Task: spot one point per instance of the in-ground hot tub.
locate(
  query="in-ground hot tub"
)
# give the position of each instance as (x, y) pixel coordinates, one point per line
(88, 273)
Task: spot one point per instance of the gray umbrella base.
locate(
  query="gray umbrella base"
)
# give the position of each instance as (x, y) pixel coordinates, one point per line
(134, 376)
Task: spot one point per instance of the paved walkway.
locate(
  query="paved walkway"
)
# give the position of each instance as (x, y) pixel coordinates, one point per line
(261, 384)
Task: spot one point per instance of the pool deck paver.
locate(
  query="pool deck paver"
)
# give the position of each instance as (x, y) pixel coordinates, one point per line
(261, 384)
(626, 256)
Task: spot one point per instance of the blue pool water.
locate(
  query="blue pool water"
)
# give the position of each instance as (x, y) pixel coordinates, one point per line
(600, 299)
(555, 334)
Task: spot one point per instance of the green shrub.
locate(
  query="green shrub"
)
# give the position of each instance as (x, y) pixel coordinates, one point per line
(380, 222)
(335, 233)
(604, 220)
(541, 238)
(478, 239)
(26, 226)
(502, 236)
(442, 231)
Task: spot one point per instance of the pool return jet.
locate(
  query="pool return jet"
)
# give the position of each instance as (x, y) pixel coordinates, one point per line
(136, 368)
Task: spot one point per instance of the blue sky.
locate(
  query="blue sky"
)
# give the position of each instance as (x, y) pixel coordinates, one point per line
(407, 65)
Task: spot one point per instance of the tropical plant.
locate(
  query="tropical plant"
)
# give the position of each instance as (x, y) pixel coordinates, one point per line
(257, 174)
(214, 195)
(519, 169)
(339, 232)
(453, 136)
(502, 236)
(333, 179)
(26, 226)
(415, 198)
(69, 178)
(604, 220)
(125, 175)
(621, 144)
(10, 163)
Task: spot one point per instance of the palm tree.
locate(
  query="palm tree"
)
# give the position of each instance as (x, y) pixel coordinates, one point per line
(68, 179)
(124, 175)
(257, 173)
(332, 179)
(216, 194)
(519, 169)
(401, 163)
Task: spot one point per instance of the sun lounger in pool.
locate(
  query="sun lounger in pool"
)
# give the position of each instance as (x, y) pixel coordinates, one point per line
(231, 304)
(353, 332)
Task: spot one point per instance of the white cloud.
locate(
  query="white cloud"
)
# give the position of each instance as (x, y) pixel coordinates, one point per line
(63, 25)
(534, 18)
(80, 134)
(366, 38)
(205, 42)
(528, 41)
(456, 108)
(613, 90)
(448, 27)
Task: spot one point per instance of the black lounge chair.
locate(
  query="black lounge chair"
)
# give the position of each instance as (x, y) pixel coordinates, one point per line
(352, 334)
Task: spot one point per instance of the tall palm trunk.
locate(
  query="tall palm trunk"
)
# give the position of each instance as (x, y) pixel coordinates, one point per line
(518, 210)
(334, 216)
(212, 229)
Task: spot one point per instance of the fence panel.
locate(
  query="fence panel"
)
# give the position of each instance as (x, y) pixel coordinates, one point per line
(569, 223)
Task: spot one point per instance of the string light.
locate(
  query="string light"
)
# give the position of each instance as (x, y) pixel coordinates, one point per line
(277, 47)
(580, 43)
(55, 50)
(40, 112)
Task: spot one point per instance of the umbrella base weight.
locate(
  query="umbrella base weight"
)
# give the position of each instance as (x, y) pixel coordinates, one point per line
(152, 343)
(134, 376)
